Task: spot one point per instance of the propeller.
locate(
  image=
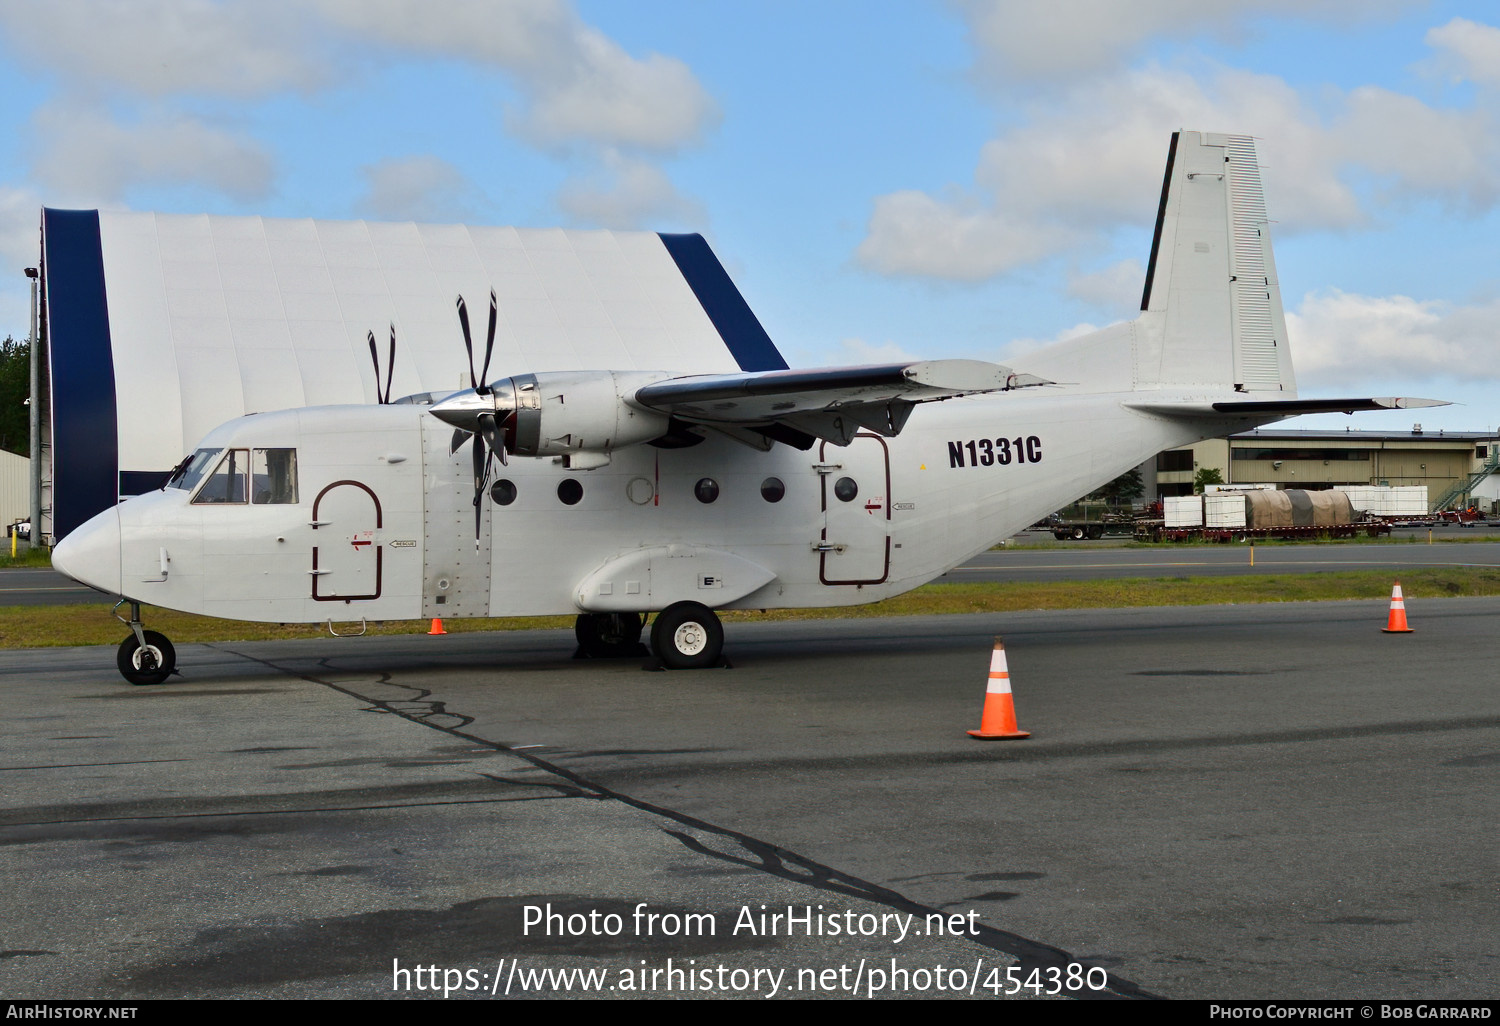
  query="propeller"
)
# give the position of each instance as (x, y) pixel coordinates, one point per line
(383, 397)
(489, 433)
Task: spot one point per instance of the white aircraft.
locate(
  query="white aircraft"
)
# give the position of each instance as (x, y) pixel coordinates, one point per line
(620, 494)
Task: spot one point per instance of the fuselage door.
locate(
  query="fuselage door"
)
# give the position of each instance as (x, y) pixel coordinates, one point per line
(856, 480)
(346, 555)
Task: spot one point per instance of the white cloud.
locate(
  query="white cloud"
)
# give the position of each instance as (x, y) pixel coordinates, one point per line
(420, 188)
(628, 194)
(20, 232)
(1467, 50)
(1341, 339)
(1038, 40)
(85, 156)
(157, 47)
(1089, 159)
(579, 84)
(1116, 288)
(955, 239)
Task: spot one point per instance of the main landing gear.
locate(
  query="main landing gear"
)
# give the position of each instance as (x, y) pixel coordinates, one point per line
(145, 657)
(687, 636)
(684, 636)
(608, 635)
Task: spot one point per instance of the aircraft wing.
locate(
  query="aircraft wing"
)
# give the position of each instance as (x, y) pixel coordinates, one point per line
(1286, 407)
(833, 403)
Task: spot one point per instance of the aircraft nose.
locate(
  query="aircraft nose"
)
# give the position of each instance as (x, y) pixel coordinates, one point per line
(90, 554)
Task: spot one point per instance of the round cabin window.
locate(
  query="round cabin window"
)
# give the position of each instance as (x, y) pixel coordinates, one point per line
(570, 491)
(845, 489)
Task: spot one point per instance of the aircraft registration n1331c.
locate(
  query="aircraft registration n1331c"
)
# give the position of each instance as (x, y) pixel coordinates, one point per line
(614, 495)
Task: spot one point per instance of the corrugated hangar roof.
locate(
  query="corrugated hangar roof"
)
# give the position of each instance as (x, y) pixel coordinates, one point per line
(160, 327)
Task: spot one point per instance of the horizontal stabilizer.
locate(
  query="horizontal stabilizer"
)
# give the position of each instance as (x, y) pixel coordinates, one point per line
(832, 403)
(1277, 408)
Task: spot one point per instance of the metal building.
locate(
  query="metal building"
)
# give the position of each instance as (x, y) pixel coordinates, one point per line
(157, 328)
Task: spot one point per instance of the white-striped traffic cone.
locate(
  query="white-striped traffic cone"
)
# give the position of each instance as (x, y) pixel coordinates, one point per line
(999, 720)
(1396, 622)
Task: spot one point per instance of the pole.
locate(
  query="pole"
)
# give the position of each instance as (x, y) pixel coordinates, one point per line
(35, 409)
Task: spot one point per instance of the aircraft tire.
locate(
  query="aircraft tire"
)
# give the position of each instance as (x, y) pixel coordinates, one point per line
(687, 636)
(151, 665)
(609, 635)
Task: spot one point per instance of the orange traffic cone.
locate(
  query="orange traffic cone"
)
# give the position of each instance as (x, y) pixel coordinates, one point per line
(437, 627)
(1396, 624)
(999, 720)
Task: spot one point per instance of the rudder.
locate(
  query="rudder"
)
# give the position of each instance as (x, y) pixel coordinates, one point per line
(1212, 300)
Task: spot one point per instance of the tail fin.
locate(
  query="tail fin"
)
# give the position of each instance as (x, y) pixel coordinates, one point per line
(1212, 298)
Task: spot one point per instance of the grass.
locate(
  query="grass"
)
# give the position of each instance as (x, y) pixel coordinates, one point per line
(40, 626)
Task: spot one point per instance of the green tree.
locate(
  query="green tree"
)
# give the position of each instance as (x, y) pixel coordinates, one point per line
(1122, 490)
(15, 387)
(1206, 476)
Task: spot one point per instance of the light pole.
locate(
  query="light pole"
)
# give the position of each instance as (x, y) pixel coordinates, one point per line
(34, 407)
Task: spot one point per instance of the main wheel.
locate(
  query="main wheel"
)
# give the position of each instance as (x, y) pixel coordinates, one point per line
(150, 665)
(609, 635)
(687, 636)
(1079, 533)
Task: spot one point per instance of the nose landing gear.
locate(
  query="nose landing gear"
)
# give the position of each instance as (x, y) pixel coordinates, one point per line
(145, 657)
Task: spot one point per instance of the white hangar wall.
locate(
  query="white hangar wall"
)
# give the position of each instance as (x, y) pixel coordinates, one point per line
(201, 319)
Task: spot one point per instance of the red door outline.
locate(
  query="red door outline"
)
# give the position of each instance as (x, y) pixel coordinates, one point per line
(379, 522)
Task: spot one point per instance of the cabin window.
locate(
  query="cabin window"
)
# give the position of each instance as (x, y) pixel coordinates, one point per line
(273, 476)
(570, 491)
(846, 489)
(772, 490)
(707, 490)
(503, 492)
(192, 472)
(227, 484)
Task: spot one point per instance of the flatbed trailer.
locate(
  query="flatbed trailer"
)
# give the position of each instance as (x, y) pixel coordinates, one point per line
(1368, 529)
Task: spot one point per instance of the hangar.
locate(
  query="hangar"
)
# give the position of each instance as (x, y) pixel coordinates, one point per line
(1456, 467)
(156, 328)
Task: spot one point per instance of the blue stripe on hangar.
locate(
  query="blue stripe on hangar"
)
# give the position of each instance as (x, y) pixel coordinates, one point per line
(85, 444)
(732, 317)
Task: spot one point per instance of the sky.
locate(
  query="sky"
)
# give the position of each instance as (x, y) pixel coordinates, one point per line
(883, 180)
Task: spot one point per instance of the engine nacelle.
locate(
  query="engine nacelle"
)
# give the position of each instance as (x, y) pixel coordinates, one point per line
(581, 416)
(559, 413)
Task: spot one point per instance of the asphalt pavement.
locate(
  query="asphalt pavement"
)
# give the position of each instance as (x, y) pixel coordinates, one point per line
(1269, 801)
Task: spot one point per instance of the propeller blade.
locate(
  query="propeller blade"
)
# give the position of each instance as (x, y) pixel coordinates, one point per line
(390, 367)
(463, 321)
(490, 432)
(481, 478)
(489, 345)
(460, 436)
(375, 359)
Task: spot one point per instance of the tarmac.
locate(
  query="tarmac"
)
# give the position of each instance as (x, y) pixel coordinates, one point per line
(1271, 801)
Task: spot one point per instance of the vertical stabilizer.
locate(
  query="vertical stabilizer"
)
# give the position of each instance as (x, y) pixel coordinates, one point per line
(1212, 304)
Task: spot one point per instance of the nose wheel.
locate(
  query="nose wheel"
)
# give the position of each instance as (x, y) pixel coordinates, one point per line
(145, 657)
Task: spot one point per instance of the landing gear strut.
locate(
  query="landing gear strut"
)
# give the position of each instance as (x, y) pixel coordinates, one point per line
(687, 636)
(609, 635)
(145, 657)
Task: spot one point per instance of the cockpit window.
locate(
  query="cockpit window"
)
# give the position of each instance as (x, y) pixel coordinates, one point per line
(193, 468)
(259, 476)
(227, 483)
(273, 476)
